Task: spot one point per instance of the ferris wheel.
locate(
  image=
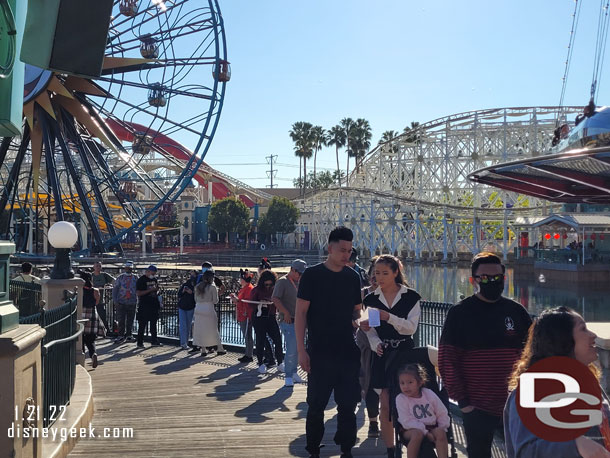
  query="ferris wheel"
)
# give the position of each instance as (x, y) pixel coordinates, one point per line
(106, 153)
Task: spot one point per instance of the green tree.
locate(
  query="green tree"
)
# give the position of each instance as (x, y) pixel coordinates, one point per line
(302, 136)
(229, 215)
(388, 137)
(323, 180)
(281, 217)
(337, 137)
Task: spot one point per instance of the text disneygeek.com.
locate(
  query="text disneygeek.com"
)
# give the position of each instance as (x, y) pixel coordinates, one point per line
(63, 434)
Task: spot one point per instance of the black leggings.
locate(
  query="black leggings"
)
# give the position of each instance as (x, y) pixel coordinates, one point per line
(89, 342)
(372, 402)
(264, 326)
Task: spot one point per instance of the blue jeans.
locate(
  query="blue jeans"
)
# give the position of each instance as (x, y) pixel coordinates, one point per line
(290, 339)
(185, 318)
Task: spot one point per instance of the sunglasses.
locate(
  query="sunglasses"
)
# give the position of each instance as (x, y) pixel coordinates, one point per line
(268, 284)
(490, 278)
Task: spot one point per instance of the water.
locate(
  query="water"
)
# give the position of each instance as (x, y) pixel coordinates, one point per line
(450, 283)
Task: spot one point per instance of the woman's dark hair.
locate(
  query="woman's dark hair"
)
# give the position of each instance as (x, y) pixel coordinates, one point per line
(416, 371)
(551, 334)
(87, 277)
(340, 233)
(267, 275)
(206, 280)
(394, 264)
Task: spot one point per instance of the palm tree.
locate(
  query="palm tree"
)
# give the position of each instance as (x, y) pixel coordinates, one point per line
(302, 137)
(361, 139)
(411, 131)
(347, 124)
(337, 137)
(387, 137)
(319, 140)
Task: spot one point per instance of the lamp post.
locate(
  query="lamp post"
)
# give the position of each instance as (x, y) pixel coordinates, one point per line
(62, 236)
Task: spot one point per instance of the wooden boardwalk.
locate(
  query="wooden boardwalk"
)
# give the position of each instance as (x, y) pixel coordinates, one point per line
(183, 405)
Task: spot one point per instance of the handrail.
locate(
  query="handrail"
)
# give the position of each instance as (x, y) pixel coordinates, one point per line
(81, 328)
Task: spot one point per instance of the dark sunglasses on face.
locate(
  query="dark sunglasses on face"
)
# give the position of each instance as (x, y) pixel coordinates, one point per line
(490, 278)
(268, 284)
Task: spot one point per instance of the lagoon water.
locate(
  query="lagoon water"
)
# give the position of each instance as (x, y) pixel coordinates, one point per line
(450, 283)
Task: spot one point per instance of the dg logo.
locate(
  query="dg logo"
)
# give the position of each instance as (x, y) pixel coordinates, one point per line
(559, 399)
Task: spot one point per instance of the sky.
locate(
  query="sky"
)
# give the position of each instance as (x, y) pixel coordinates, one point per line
(391, 62)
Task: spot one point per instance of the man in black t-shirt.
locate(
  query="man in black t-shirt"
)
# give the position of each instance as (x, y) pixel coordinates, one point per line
(328, 301)
(147, 290)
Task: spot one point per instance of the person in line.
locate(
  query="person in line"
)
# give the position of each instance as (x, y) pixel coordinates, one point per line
(205, 331)
(353, 263)
(269, 359)
(399, 312)
(26, 274)
(557, 332)
(125, 299)
(91, 297)
(482, 338)
(368, 393)
(100, 280)
(285, 299)
(328, 303)
(186, 308)
(147, 290)
(243, 313)
(421, 412)
(264, 321)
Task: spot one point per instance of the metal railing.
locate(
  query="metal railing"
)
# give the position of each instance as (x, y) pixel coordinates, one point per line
(26, 296)
(428, 333)
(58, 356)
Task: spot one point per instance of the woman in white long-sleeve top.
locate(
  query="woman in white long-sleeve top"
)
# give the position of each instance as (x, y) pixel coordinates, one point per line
(399, 312)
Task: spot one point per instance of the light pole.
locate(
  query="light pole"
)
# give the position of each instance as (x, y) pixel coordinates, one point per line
(62, 236)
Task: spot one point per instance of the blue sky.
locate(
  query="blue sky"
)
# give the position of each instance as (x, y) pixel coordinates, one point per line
(391, 62)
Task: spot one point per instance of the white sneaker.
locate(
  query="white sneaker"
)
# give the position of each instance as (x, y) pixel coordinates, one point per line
(262, 369)
(297, 378)
(280, 368)
(288, 382)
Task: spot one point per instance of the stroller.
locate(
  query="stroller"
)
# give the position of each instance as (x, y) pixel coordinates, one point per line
(420, 355)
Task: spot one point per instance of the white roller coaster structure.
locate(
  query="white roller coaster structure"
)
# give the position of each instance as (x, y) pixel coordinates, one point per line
(411, 196)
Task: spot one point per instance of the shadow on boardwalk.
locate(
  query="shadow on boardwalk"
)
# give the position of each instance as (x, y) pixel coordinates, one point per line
(183, 405)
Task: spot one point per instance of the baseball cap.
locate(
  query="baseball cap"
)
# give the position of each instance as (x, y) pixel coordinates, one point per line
(299, 265)
(128, 264)
(152, 268)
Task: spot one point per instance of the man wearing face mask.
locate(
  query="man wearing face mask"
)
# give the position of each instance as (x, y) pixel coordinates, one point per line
(482, 338)
(147, 290)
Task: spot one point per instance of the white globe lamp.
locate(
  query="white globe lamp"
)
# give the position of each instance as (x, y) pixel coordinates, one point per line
(62, 236)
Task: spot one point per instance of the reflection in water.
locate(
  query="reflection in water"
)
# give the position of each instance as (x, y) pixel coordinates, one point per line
(450, 284)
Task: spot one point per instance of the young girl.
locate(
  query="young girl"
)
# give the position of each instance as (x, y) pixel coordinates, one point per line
(205, 332)
(420, 412)
(399, 311)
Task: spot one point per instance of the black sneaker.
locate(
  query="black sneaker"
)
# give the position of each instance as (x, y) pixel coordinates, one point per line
(140, 345)
(245, 359)
(156, 344)
(194, 350)
(374, 432)
(221, 352)
(347, 455)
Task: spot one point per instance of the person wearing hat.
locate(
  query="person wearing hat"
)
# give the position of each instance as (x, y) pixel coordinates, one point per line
(124, 298)
(147, 290)
(285, 299)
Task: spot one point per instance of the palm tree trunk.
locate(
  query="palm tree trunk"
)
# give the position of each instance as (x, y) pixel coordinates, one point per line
(315, 157)
(347, 174)
(301, 176)
(304, 174)
(338, 169)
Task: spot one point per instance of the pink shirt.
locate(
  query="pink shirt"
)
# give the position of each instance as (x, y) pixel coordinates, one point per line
(417, 413)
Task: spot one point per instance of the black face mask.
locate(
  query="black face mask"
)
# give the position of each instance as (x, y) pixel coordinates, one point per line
(492, 290)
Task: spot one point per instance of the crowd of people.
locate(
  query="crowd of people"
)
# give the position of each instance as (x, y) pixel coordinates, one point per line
(352, 332)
